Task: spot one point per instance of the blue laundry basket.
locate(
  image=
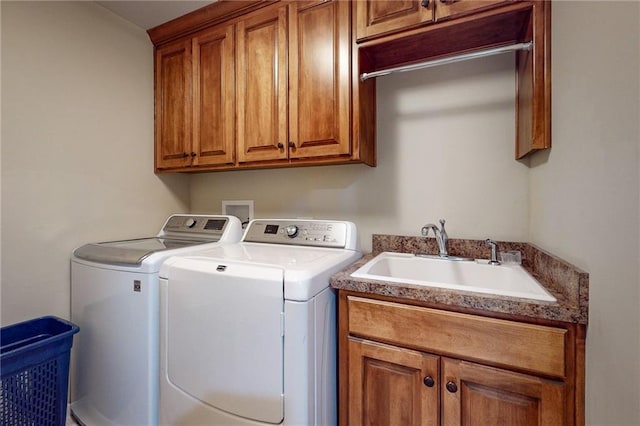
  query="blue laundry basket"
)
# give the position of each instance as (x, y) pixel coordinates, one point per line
(34, 371)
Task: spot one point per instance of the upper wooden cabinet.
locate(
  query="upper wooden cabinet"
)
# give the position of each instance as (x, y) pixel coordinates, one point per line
(392, 34)
(320, 79)
(294, 82)
(195, 101)
(213, 97)
(454, 8)
(376, 17)
(273, 85)
(262, 86)
(250, 84)
(173, 121)
(381, 17)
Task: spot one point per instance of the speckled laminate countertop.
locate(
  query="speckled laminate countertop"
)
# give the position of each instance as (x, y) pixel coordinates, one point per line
(568, 284)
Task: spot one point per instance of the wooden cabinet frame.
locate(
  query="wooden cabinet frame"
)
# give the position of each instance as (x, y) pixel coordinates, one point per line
(316, 119)
(460, 28)
(499, 25)
(376, 330)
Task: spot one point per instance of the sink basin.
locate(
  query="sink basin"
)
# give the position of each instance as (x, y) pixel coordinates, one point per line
(478, 276)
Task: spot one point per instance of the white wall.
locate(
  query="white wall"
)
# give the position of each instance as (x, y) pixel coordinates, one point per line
(584, 192)
(77, 146)
(445, 149)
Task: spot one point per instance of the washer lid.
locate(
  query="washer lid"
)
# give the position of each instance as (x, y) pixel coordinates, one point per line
(306, 269)
(130, 252)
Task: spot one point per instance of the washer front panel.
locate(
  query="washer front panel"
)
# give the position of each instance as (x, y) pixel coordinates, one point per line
(225, 333)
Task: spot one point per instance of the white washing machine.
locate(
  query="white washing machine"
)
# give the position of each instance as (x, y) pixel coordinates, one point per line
(248, 330)
(115, 301)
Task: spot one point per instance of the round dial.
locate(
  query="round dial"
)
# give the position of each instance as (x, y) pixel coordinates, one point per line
(291, 231)
(190, 223)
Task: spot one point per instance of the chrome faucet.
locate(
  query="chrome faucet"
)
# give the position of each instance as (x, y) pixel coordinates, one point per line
(440, 234)
(494, 251)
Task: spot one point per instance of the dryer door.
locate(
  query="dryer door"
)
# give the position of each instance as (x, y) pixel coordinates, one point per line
(225, 335)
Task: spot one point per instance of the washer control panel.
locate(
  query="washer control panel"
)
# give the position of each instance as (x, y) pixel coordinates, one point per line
(305, 232)
(196, 225)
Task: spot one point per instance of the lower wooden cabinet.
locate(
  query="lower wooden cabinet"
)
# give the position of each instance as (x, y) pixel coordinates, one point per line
(477, 394)
(392, 386)
(409, 365)
(389, 385)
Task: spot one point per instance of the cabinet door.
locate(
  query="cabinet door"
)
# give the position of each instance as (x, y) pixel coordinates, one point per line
(391, 386)
(262, 85)
(451, 8)
(173, 105)
(376, 17)
(319, 78)
(213, 97)
(477, 394)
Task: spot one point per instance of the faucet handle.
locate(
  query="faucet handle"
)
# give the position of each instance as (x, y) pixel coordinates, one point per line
(442, 230)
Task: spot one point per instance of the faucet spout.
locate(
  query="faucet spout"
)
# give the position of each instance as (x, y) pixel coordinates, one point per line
(494, 251)
(440, 234)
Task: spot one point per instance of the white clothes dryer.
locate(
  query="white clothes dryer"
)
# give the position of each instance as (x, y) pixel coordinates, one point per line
(248, 330)
(115, 301)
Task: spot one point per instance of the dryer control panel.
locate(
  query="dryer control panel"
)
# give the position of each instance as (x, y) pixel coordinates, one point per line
(302, 232)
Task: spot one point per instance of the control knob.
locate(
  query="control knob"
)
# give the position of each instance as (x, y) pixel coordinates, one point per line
(190, 223)
(291, 231)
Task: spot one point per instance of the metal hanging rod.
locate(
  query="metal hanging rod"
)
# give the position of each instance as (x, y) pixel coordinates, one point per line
(449, 60)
